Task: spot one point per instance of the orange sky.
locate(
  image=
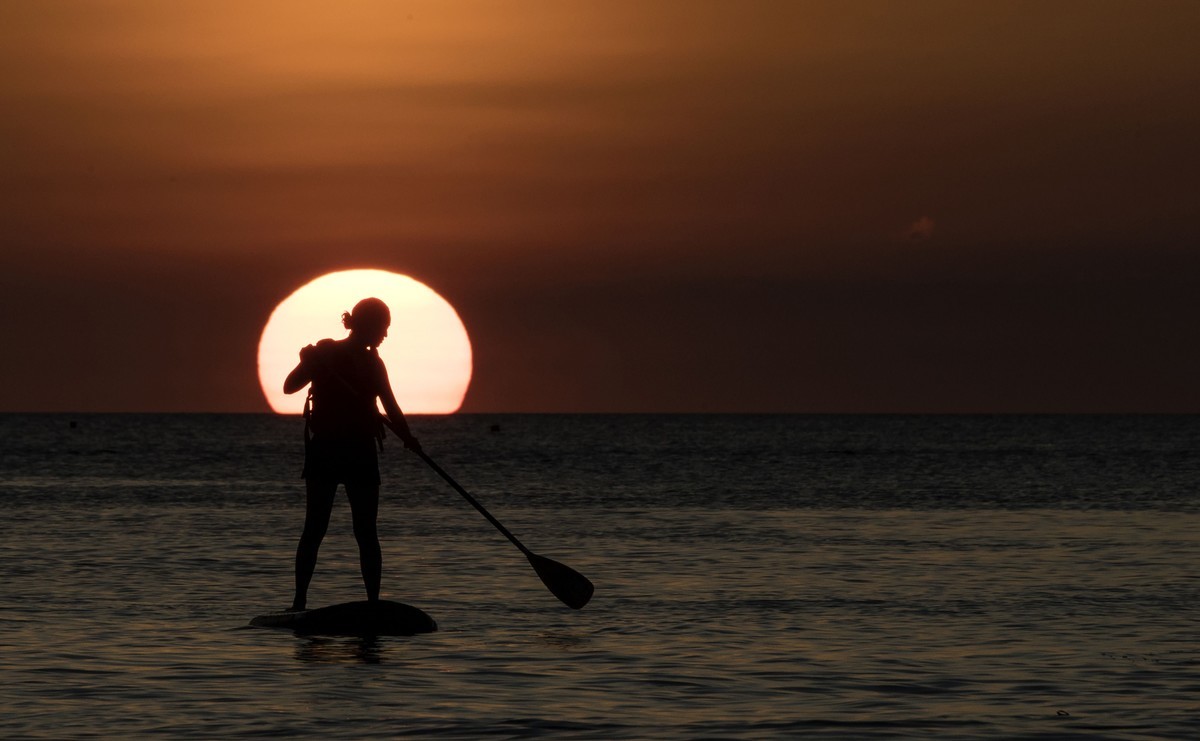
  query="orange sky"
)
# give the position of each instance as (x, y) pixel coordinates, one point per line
(634, 206)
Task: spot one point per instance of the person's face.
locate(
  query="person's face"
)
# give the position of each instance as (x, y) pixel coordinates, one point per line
(375, 334)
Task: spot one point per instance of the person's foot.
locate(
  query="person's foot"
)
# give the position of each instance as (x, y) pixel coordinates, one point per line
(296, 607)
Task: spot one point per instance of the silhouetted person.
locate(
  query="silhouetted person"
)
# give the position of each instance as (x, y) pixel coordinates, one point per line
(342, 429)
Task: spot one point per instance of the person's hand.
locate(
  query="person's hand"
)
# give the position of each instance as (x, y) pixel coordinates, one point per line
(306, 353)
(412, 443)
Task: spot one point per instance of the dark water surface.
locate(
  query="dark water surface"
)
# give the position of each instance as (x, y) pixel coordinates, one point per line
(757, 576)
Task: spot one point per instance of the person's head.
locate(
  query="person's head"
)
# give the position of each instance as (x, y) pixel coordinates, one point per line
(368, 321)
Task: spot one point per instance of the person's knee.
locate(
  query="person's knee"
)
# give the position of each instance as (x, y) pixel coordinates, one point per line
(313, 533)
(366, 535)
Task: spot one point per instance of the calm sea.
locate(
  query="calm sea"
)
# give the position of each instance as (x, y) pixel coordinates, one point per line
(756, 577)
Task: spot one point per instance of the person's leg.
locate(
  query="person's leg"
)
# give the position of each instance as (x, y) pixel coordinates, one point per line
(319, 498)
(364, 507)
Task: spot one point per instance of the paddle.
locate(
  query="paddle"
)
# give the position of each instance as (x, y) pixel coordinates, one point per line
(570, 586)
(564, 582)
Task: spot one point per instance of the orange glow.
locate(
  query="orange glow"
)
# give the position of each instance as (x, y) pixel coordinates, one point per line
(427, 351)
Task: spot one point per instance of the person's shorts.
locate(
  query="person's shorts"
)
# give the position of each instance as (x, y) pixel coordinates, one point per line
(344, 461)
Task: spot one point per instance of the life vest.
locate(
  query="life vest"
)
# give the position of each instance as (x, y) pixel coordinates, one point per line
(341, 400)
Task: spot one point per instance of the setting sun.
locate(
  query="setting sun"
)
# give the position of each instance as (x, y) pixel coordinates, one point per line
(427, 351)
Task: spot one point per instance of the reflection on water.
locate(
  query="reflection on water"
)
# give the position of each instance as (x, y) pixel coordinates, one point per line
(954, 623)
(910, 593)
(315, 650)
(565, 641)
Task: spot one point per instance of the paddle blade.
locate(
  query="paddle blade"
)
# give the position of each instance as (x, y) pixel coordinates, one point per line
(570, 586)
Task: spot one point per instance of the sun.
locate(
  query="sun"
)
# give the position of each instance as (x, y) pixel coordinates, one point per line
(427, 351)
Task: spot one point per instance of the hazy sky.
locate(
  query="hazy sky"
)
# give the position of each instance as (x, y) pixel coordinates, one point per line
(635, 206)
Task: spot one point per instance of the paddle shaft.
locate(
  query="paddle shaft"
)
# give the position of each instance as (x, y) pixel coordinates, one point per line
(565, 583)
(472, 501)
(465, 494)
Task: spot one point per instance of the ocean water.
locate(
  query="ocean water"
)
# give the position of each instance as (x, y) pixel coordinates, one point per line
(756, 577)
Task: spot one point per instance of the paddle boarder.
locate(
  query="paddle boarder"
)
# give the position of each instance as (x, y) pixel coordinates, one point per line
(342, 435)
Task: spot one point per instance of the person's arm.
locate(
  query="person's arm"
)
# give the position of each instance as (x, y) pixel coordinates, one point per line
(395, 416)
(301, 375)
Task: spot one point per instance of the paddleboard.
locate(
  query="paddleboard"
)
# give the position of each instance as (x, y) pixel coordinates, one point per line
(382, 618)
